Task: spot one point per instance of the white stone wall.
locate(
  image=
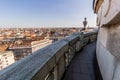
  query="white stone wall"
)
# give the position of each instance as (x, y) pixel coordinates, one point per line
(108, 52)
(41, 45)
(105, 59)
(108, 43)
(6, 58)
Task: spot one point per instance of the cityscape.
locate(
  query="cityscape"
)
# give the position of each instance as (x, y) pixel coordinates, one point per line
(59, 39)
(17, 43)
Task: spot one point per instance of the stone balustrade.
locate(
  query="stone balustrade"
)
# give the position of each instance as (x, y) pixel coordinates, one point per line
(48, 63)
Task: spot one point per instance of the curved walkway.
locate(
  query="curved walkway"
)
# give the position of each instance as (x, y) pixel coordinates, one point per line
(84, 65)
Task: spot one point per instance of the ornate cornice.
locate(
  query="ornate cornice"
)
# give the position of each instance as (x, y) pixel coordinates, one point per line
(97, 4)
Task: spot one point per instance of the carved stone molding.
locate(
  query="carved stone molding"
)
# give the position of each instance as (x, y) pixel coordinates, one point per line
(108, 8)
(97, 4)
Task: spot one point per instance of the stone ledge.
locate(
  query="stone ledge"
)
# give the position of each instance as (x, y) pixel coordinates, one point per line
(39, 64)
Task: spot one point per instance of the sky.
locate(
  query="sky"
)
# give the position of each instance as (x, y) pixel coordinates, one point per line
(46, 13)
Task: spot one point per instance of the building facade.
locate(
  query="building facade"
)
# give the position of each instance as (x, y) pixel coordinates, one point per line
(40, 44)
(21, 52)
(108, 42)
(6, 58)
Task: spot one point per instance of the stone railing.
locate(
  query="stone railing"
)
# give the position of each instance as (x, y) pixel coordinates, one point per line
(48, 63)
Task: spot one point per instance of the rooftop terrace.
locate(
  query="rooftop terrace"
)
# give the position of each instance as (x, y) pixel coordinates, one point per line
(56, 61)
(84, 65)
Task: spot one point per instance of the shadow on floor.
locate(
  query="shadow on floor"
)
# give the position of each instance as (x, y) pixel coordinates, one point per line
(84, 65)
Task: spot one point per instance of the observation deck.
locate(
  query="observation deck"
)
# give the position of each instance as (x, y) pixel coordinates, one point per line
(72, 58)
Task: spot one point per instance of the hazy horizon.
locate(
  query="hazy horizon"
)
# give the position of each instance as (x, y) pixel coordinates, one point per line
(46, 13)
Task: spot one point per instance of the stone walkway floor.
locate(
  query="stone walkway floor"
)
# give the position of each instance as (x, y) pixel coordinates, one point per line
(83, 66)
